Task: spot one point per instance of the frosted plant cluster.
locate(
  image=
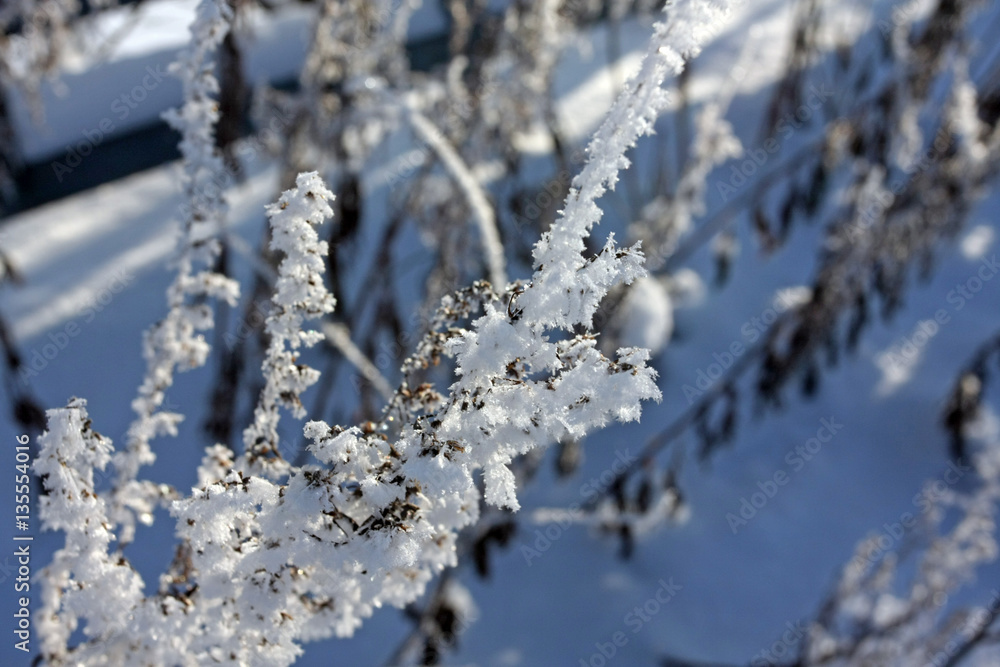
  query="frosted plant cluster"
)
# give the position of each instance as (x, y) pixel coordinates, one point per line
(273, 551)
(272, 554)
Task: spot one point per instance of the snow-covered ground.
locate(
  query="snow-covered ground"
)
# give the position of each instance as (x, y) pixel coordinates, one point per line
(96, 261)
(120, 83)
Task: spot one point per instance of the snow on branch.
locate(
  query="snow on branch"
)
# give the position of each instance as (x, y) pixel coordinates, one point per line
(482, 210)
(82, 581)
(299, 295)
(174, 343)
(339, 336)
(566, 287)
(263, 565)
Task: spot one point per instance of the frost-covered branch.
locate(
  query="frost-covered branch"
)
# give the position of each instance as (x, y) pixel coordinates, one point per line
(174, 342)
(339, 337)
(885, 611)
(565, 284)
(299, 295)
(482, 210)
(267, 561)
(82, 582)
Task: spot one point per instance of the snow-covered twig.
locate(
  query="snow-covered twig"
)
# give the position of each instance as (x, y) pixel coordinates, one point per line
(82, 581)
(482, 210)
(174, 343)
(565, 284)
(339, 337)
(299, 295)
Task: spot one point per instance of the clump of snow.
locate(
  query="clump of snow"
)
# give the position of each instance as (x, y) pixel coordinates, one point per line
(647, 316)
(977, 241)
(726, 247)
(900, 360)
(791, 297)
(686, 288)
